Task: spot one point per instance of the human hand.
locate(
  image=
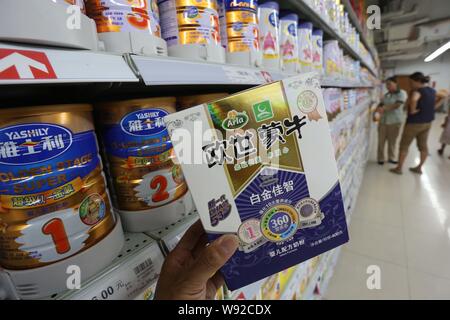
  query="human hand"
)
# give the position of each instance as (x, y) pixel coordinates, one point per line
(191, 270)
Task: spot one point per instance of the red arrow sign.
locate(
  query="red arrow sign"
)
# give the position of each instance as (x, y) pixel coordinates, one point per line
(25, 64)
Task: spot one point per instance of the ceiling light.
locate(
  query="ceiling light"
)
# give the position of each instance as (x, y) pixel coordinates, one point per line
(438, 52)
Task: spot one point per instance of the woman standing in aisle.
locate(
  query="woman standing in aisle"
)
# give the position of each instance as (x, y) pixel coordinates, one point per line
(421, 109)
(391, 110)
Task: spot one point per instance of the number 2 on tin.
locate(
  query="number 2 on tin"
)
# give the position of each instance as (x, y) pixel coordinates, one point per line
(160, 184)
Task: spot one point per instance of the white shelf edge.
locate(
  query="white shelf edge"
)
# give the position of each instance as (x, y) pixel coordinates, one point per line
(60, 65)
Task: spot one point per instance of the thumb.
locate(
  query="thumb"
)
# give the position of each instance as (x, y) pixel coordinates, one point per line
(213, 258)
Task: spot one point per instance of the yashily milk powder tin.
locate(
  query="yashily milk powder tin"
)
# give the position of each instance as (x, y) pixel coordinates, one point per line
(53, 197)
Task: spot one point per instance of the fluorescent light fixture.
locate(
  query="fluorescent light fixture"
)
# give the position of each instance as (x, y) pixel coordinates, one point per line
(438, 52)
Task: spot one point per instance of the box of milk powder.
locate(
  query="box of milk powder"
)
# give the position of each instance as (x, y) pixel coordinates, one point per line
(260, 164)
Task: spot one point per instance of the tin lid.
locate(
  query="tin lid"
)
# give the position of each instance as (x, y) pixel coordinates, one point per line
(290, 16)
(305, 25)
(45, 109)
(317, 32)
(270, 5)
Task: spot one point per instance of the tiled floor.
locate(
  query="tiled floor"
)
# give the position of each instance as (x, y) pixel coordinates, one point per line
(402, 225)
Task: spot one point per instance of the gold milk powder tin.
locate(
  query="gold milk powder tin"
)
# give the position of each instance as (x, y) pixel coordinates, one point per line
(139, 152)
(53, 197)
(240, 20)
(190, 22)
(125, 16)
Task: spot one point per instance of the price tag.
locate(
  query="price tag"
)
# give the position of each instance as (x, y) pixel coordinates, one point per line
(243, 76)
(128, 280)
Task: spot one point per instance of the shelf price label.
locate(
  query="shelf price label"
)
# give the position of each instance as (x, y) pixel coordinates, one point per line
(243, 76)
(128, 280)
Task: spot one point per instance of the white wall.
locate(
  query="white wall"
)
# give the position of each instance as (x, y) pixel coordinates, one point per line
(438, 69)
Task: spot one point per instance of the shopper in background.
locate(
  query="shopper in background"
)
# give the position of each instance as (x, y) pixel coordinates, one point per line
(421, 109)
(445, 136)
(191, 270)
(391, 110)
(442, 100)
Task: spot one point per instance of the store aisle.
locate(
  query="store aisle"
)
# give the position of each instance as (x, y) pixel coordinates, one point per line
(402, 225)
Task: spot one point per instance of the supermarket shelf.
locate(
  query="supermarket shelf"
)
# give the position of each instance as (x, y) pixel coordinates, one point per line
(320, 22)
(134, 270)
(169, 237)
(157, 71)
(328, 82)
(249, 292)
(26, 64)
(336, 123)
(325, 278)
(296, 278)
(174, 71)
(354, 19)
(309, 291)
(293, 283)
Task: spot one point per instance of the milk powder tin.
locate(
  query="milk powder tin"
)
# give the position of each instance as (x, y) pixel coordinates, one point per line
(331, 60)
(317, 50)
(241, 22)
(289, 42)
(125, 16)
(185, 102)
(268, 15)
(222, 23)
(53, 197)
(305, 46)
(189, 22)
(140, 154)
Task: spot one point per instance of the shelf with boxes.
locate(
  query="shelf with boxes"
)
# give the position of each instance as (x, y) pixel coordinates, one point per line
(65, 66)
(135, 268)
(129, 57)
(133, 273)
(167, 238)
(160, 53)
(357, 24)
(319, 13)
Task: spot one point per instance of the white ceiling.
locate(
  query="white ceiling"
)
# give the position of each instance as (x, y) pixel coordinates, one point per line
(402, 37)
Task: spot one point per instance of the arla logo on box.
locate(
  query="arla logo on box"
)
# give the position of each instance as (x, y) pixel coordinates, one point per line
(235, 120)
(145, 122)
(262, 111)
(34, 142)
